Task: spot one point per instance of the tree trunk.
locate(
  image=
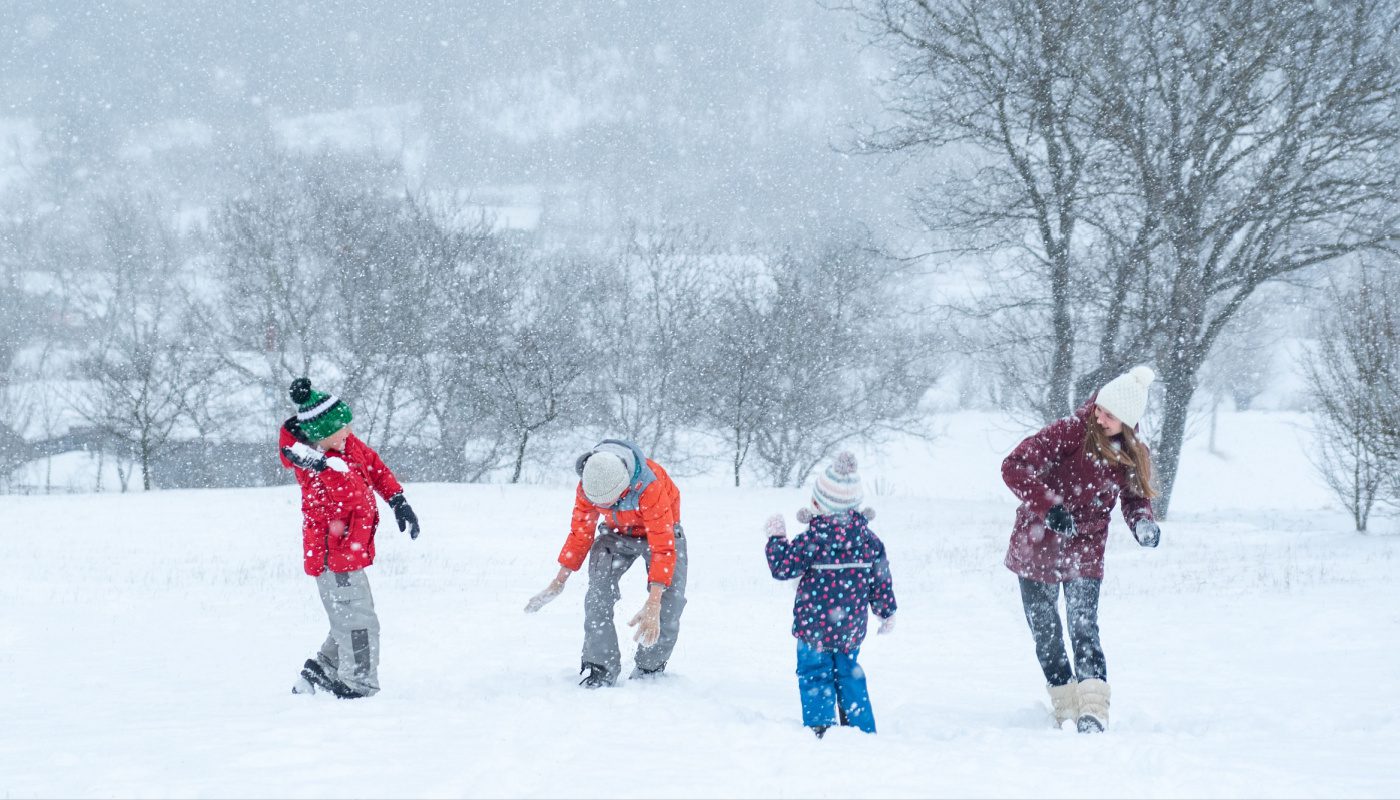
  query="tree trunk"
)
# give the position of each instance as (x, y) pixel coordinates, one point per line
(145, 464)
(451, 462)
(1062, 362)
(1178, 380)
(738, 457)
(520, 455)
(1214, 418)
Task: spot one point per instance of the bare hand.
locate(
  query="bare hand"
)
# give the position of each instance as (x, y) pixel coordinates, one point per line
(648, 623)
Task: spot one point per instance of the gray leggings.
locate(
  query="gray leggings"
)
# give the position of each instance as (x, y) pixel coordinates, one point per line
(611, 556)
(1040, 601)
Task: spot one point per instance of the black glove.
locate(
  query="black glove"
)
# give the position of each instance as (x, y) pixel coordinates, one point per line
(305, 457)
(403, 513)
(1147, 532)
(1058, 519)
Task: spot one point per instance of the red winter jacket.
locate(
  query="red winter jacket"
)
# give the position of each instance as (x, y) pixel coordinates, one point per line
(343, 501)
(1051, 467)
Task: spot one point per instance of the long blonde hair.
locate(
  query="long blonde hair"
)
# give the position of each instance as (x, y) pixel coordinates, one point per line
(1131, 454)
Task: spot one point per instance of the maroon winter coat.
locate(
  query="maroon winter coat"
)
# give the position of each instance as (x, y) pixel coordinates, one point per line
(1051, 467)
(341, 497)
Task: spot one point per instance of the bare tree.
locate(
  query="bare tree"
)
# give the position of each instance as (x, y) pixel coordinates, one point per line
(1353, 377)
(805, 352)
(999, 91)
(1260, 138)
(1220, 146)
(841, 365)
(361, 242)
(35, 243)
(736, 395)
(456, 280)
(143, 374)
(537, 375)
(272, 318)
(655, 299)
(310, 253)
(1241, 362)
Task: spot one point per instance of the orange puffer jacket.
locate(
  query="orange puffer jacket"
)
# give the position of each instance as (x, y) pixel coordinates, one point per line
(651, 508)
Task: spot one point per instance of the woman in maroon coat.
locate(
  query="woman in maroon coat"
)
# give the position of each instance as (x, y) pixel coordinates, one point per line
(1068, 477)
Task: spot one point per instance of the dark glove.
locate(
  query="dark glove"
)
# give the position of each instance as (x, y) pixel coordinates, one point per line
(1058, 519)
(403, 514)
(305, 457)
(1147, 532)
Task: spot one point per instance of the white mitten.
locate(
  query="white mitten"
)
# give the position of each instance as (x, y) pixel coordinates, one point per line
(887, 626)
(775, 526)
(305, 456)
(542, 599)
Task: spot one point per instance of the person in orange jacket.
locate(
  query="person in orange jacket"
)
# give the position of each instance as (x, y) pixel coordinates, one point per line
(339, 476)
(636, 509)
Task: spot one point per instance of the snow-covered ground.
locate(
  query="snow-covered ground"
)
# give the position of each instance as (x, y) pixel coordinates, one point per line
(148, 643)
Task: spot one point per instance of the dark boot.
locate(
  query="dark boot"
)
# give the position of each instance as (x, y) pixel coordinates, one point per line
(820, 730)
(596, 678)
(312, 672)
(638, 672)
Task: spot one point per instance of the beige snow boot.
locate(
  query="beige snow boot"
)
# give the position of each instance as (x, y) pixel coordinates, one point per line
(1064, 701)
(1093, 705)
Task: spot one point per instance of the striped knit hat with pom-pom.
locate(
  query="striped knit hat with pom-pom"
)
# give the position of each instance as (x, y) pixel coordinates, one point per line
(838, 486)
(319, 415)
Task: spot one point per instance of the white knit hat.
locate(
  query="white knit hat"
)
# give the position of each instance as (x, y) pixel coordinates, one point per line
(606, 473)
(838, 486)
(1125, 397)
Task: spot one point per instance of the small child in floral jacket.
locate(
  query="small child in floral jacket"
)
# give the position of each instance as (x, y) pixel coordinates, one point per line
(843, 571)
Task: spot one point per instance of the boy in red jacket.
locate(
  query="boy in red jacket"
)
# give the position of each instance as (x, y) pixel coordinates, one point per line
(339, 475)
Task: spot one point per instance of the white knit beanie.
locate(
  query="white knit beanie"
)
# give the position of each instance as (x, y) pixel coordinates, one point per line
(838, 486)
(606, 474)
(1125, 397)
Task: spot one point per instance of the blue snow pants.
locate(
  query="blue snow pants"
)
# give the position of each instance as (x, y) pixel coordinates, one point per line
(833, 688)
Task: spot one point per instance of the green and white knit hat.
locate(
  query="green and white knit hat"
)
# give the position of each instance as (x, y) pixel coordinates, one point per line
(318, 414)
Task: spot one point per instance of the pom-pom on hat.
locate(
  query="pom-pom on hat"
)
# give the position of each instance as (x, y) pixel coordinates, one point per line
(1125, 397)
(319, 415)
(838, 486)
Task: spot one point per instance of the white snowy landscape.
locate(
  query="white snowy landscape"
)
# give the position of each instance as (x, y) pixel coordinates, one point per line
(149, 642)
(745, 236)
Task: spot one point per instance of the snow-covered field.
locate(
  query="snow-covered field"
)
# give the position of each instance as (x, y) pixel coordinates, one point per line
(148, 643)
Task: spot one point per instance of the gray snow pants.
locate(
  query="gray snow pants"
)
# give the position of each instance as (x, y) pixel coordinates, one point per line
(351, 651)
(612, 555)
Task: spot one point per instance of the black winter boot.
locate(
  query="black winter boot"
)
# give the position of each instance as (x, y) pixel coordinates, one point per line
(596, 678)
(654, 672)
(312, 672)
(820, 730)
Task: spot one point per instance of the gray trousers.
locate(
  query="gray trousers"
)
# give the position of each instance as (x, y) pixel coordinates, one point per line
(351, 651)
(612, 555)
